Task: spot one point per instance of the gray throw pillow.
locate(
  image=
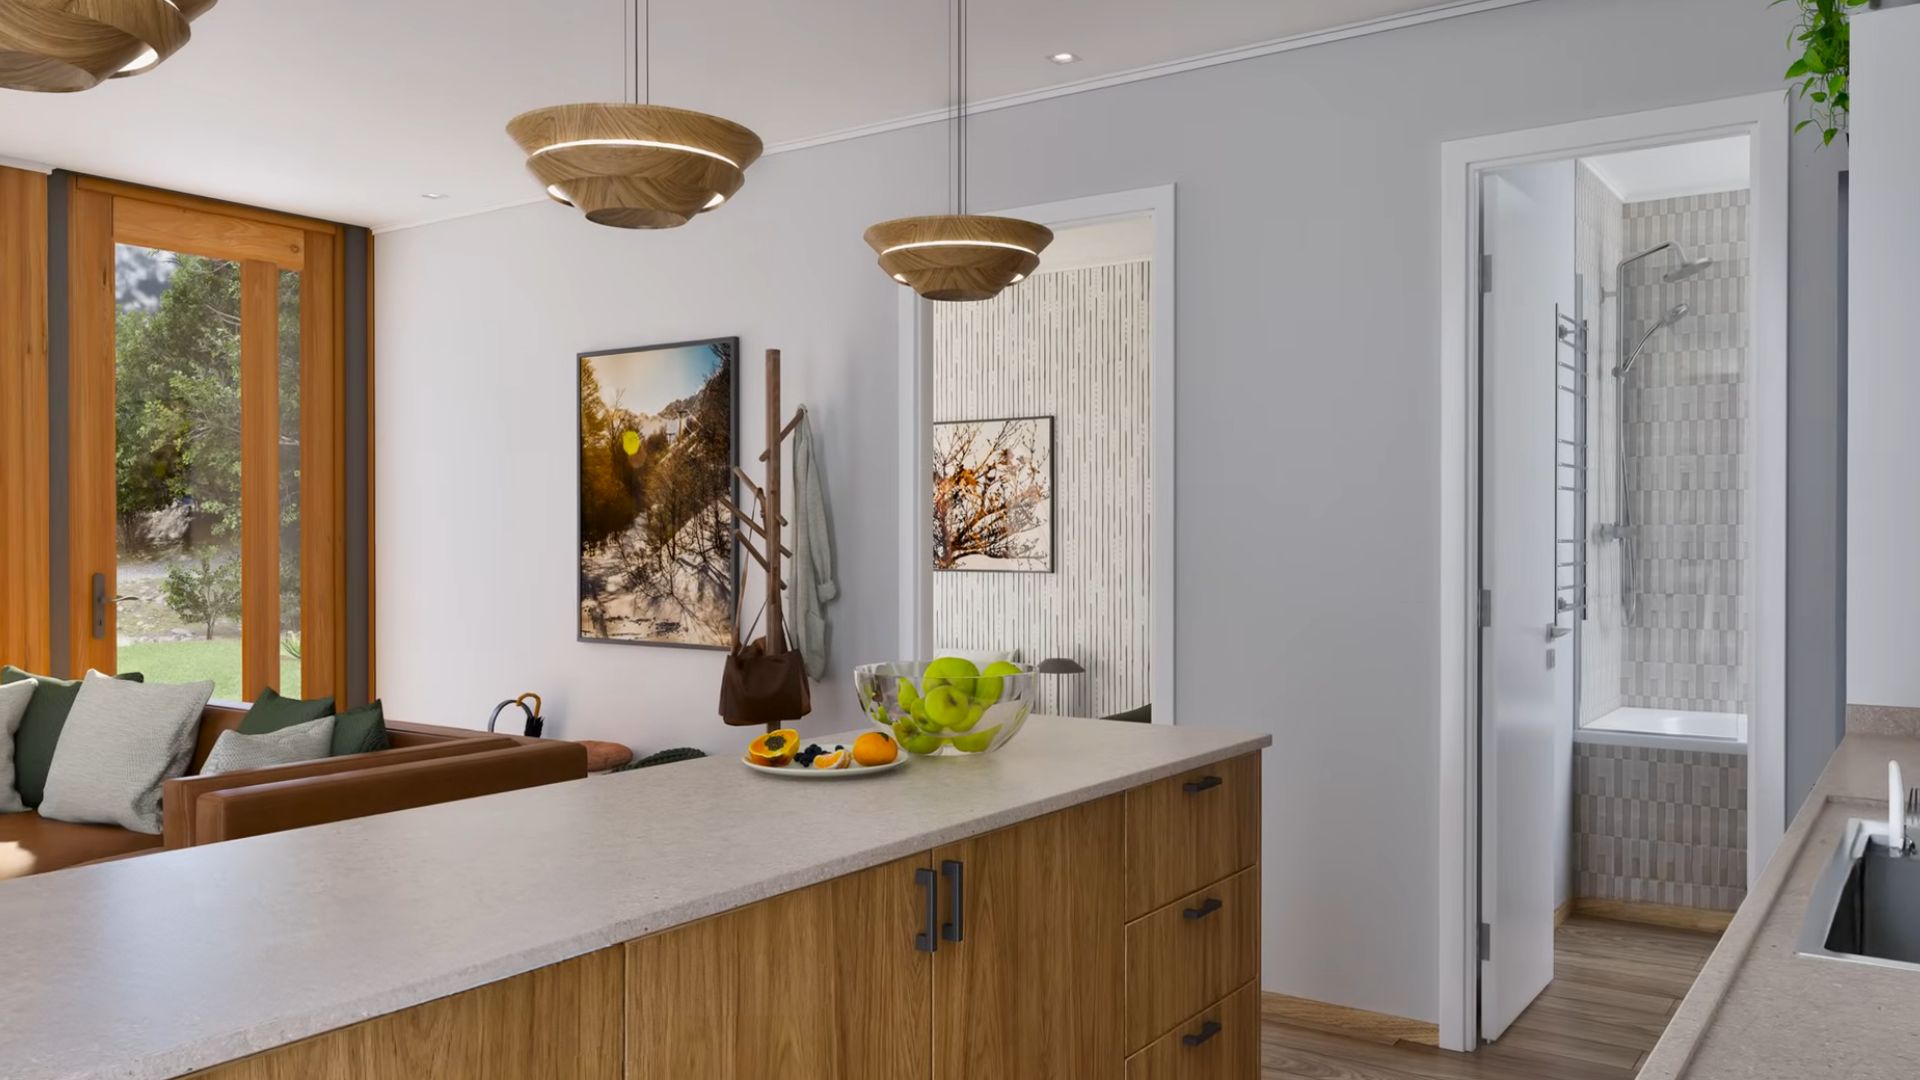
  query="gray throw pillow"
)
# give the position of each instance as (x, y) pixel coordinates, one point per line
(233, 751)
(13, 706)
(122, 741)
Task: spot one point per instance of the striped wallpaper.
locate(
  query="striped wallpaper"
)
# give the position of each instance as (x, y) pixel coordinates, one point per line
(1074, 345)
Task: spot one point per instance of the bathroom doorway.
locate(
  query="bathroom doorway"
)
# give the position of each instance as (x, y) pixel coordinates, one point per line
(1620, 743)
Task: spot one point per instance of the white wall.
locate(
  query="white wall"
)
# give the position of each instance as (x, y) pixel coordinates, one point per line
(1307, 542)
(1883, 363)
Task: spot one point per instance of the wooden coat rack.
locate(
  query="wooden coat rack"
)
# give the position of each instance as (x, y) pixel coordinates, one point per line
(770, 522)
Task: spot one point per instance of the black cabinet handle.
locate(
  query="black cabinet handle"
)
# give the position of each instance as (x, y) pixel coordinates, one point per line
(928, 939)
(1207, 1031)
(1195, 913)
(1194, 787)
(956, 900)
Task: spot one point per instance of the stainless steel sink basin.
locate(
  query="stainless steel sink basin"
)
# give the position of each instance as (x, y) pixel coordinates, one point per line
(1865, 908)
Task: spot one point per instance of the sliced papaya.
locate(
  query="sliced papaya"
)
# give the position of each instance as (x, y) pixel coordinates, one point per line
(775, 748)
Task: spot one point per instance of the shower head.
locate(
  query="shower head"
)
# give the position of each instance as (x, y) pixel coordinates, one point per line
(1685, 268)
(1674, 314)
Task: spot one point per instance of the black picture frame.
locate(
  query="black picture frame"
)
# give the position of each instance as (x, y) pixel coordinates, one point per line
(730, 352)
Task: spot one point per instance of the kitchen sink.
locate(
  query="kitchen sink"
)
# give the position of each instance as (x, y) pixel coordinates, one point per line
(1865, 908)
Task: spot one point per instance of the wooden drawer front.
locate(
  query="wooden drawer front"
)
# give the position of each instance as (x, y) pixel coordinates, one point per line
(1187, 831)
(1229, 1046)
(1190, 954)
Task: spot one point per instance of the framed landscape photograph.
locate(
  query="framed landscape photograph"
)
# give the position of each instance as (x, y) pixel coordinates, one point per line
(993, 495)
(656, 554)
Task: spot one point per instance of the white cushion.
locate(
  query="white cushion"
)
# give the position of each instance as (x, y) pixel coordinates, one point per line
(233, 751)
(13, 705)
(121, 742)
(980, 658)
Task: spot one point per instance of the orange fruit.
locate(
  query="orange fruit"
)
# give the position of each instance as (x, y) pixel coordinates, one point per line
(833, 759)
(874, 748)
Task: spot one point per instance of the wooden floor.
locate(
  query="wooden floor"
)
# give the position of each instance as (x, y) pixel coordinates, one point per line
(1615, 984)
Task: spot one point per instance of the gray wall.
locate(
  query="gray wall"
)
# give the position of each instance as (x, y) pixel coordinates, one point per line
(1308, 279)
(1816, 468)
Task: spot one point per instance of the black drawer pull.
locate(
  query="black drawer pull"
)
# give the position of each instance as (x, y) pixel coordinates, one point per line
(1196, 913)
(1207, 1031)
(1194, 787)
(928, 940)
(956, 900)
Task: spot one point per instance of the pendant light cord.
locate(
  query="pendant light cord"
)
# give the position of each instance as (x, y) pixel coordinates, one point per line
(638, 84)
(957, 105)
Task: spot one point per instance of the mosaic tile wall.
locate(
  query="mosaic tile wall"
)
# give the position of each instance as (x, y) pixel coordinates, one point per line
(1686, 460)
(1660, 826)
(1075, 345)
(1601, 218)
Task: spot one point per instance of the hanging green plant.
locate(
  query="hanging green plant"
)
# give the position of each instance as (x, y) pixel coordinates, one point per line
(1820, 72)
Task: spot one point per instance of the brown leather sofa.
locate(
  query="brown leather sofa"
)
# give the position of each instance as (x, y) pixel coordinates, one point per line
(425, 765)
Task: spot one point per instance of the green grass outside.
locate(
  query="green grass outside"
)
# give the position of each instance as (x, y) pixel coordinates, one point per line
(191, 661)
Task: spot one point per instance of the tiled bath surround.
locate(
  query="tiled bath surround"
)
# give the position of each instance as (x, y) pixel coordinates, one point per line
(1660, 826)
(1687, 460)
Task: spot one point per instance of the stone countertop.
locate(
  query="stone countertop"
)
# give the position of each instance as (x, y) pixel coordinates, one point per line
(1762, 1011)
(159, 965)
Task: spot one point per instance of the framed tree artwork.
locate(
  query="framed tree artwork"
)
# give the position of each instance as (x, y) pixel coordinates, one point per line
(657, 564)
(993, 495)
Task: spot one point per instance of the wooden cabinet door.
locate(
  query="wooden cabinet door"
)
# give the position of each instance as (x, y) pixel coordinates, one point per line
(1035, 987)
(824, 981)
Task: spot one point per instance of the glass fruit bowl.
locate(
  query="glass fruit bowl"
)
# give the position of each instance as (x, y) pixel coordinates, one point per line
(948, 706)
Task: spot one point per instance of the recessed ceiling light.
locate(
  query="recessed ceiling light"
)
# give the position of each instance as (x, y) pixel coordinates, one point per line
(433, 194)
(1064, 58)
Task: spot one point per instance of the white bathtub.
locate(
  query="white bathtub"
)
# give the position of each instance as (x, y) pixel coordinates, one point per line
(1712, 732)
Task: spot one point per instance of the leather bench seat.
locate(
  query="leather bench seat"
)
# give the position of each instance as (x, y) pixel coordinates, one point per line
(56, 845)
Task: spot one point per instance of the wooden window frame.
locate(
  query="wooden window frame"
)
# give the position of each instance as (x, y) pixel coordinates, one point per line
(104, 213)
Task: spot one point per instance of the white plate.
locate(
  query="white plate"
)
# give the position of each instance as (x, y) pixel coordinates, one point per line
(798, 772)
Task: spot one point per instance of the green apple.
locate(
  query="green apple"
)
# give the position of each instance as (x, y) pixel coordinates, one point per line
(948, 706)
(918, 710)
(921, 744)
(993, 681)
(879, 715)
(974, 713)
(904, 729)
(951, 671)
(977, 741)
(908, 695)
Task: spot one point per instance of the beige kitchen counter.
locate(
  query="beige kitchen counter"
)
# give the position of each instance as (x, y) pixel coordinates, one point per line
(1762, 1011)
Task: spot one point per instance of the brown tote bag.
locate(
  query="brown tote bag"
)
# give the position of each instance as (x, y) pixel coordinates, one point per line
(757, 688)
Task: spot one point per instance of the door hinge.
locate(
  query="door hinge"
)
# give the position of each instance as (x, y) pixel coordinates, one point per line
(1486, 272)
(1486, 942)
(1486, 608)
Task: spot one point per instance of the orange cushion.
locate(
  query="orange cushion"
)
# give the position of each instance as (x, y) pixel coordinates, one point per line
(602, 756)
(57, 844)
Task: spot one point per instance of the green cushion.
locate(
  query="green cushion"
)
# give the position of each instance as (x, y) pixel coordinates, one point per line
(39, 733)
(271, 712)
(360, 731)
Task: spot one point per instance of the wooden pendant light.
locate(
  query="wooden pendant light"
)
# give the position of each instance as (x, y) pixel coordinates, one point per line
(63, 46)
(958, 256)
(634, 164)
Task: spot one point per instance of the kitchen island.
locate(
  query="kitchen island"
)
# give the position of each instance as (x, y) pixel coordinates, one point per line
(1760, 1010)
(1085, 899)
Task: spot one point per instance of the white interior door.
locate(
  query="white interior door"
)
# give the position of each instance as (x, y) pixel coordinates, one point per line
(1527, 221)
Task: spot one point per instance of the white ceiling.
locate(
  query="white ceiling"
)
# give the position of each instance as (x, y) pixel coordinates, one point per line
(1670, 172)
(351, 109)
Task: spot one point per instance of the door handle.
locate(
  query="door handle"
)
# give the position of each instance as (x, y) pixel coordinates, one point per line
(99, 605)
(1194, 914)
(951, 869)
(1207, 1031)
(1195, 787)
(928, 939)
